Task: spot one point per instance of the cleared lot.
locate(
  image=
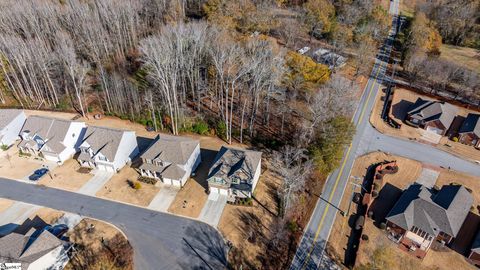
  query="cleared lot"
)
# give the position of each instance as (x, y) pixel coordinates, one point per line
(66, 177)
(117, 188)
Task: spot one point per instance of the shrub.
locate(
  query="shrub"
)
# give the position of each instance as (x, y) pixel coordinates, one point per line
(4, 147)
(221, 130)
(147, 180)
(455, 139)
(201, 128)
(364, 237)
(90, 109)
(137, 185)
(383, 226)
(292, 226)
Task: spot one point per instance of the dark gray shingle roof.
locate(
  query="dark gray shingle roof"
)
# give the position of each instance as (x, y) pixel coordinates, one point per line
(471, 124)
(428, 110)
(231, 164)
(444, 211)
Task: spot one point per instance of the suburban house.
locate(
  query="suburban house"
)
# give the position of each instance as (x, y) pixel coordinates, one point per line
(469, 132)
(170, 159)
(53, 139)
(11, 122)
(422, 215)
(107, 149)
(37, 249)
(234, 173)
(430, 115)
(474, 256)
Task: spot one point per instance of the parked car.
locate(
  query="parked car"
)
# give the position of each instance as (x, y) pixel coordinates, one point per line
(57, 230)
(38, 174)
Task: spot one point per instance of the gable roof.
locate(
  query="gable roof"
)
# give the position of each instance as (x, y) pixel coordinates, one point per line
(7, 116)
(51, 130)
(104, 140)
(172, 149)
(471, 124)
(29, 247)
(231, 164)
(428, 110)
(432, 212)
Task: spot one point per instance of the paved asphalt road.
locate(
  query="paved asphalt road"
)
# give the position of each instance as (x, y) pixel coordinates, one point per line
(161, 241)
(310, 253)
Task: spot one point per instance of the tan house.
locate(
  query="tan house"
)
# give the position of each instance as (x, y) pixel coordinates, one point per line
(235, 173)
(422, 215)
(433, 116)
(171, 159)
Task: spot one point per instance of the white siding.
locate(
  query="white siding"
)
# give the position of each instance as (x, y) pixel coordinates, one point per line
(11, 131)
(257, 175)
(55, 259)
(127, 148)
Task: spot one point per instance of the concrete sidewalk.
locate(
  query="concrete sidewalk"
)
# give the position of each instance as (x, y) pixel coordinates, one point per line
(213, 209)
(96, 183)
(15, 215)
(163, 199)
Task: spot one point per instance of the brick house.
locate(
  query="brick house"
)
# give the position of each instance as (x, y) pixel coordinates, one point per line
(432, 116)
(422, 215)
(469, 132)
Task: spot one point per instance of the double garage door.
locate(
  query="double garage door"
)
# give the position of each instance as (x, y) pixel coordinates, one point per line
(105, 168)
(219, 191)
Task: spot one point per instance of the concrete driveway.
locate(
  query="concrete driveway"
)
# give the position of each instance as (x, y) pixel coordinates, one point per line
(96, 183)
(213, 209)
(160, 240)
(163, 199)
(15, 215)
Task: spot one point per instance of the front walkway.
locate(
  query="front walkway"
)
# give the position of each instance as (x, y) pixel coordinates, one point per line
(96, 183)
(15, 215)
(213, 209)
(428, 177)
(163, 199)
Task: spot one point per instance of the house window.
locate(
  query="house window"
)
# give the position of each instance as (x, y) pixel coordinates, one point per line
(102, 158)
(148, 161)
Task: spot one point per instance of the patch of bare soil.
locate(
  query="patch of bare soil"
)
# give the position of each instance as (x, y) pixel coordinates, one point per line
(117, 188)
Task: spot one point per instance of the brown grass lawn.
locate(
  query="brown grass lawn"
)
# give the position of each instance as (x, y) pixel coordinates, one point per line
(5, 204)
(118, 189)
(47, 214)
(16, 167)
(195, 197)
(467, 57)
(239, 222)
(66, 177)
(409, 171)
(102, 229)
(402, 99)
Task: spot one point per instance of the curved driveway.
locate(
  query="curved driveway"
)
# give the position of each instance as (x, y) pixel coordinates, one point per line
(160, 241)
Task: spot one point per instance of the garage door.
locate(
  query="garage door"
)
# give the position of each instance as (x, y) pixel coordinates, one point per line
(105, 168)
(50, 158)
(176, 183)
(214, 190)
(223, 191)
(435, 130)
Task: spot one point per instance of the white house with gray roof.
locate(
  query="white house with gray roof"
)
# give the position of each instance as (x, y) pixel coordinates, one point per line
(107, 149)
(11, 122)
(37, 249)
(235, 172)
(53, 139)
(422, 215)
(170, 159)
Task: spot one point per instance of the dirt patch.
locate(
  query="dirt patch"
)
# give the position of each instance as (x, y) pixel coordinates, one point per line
(402, 100)
(466, 57)
(118, 189)
(66, 177)
(17, 167)
(189, 200)
(409, 171)
(48, 215)
(248, 228)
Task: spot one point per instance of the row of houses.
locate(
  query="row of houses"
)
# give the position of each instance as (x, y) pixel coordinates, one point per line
(438, 117)
(171, 159)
